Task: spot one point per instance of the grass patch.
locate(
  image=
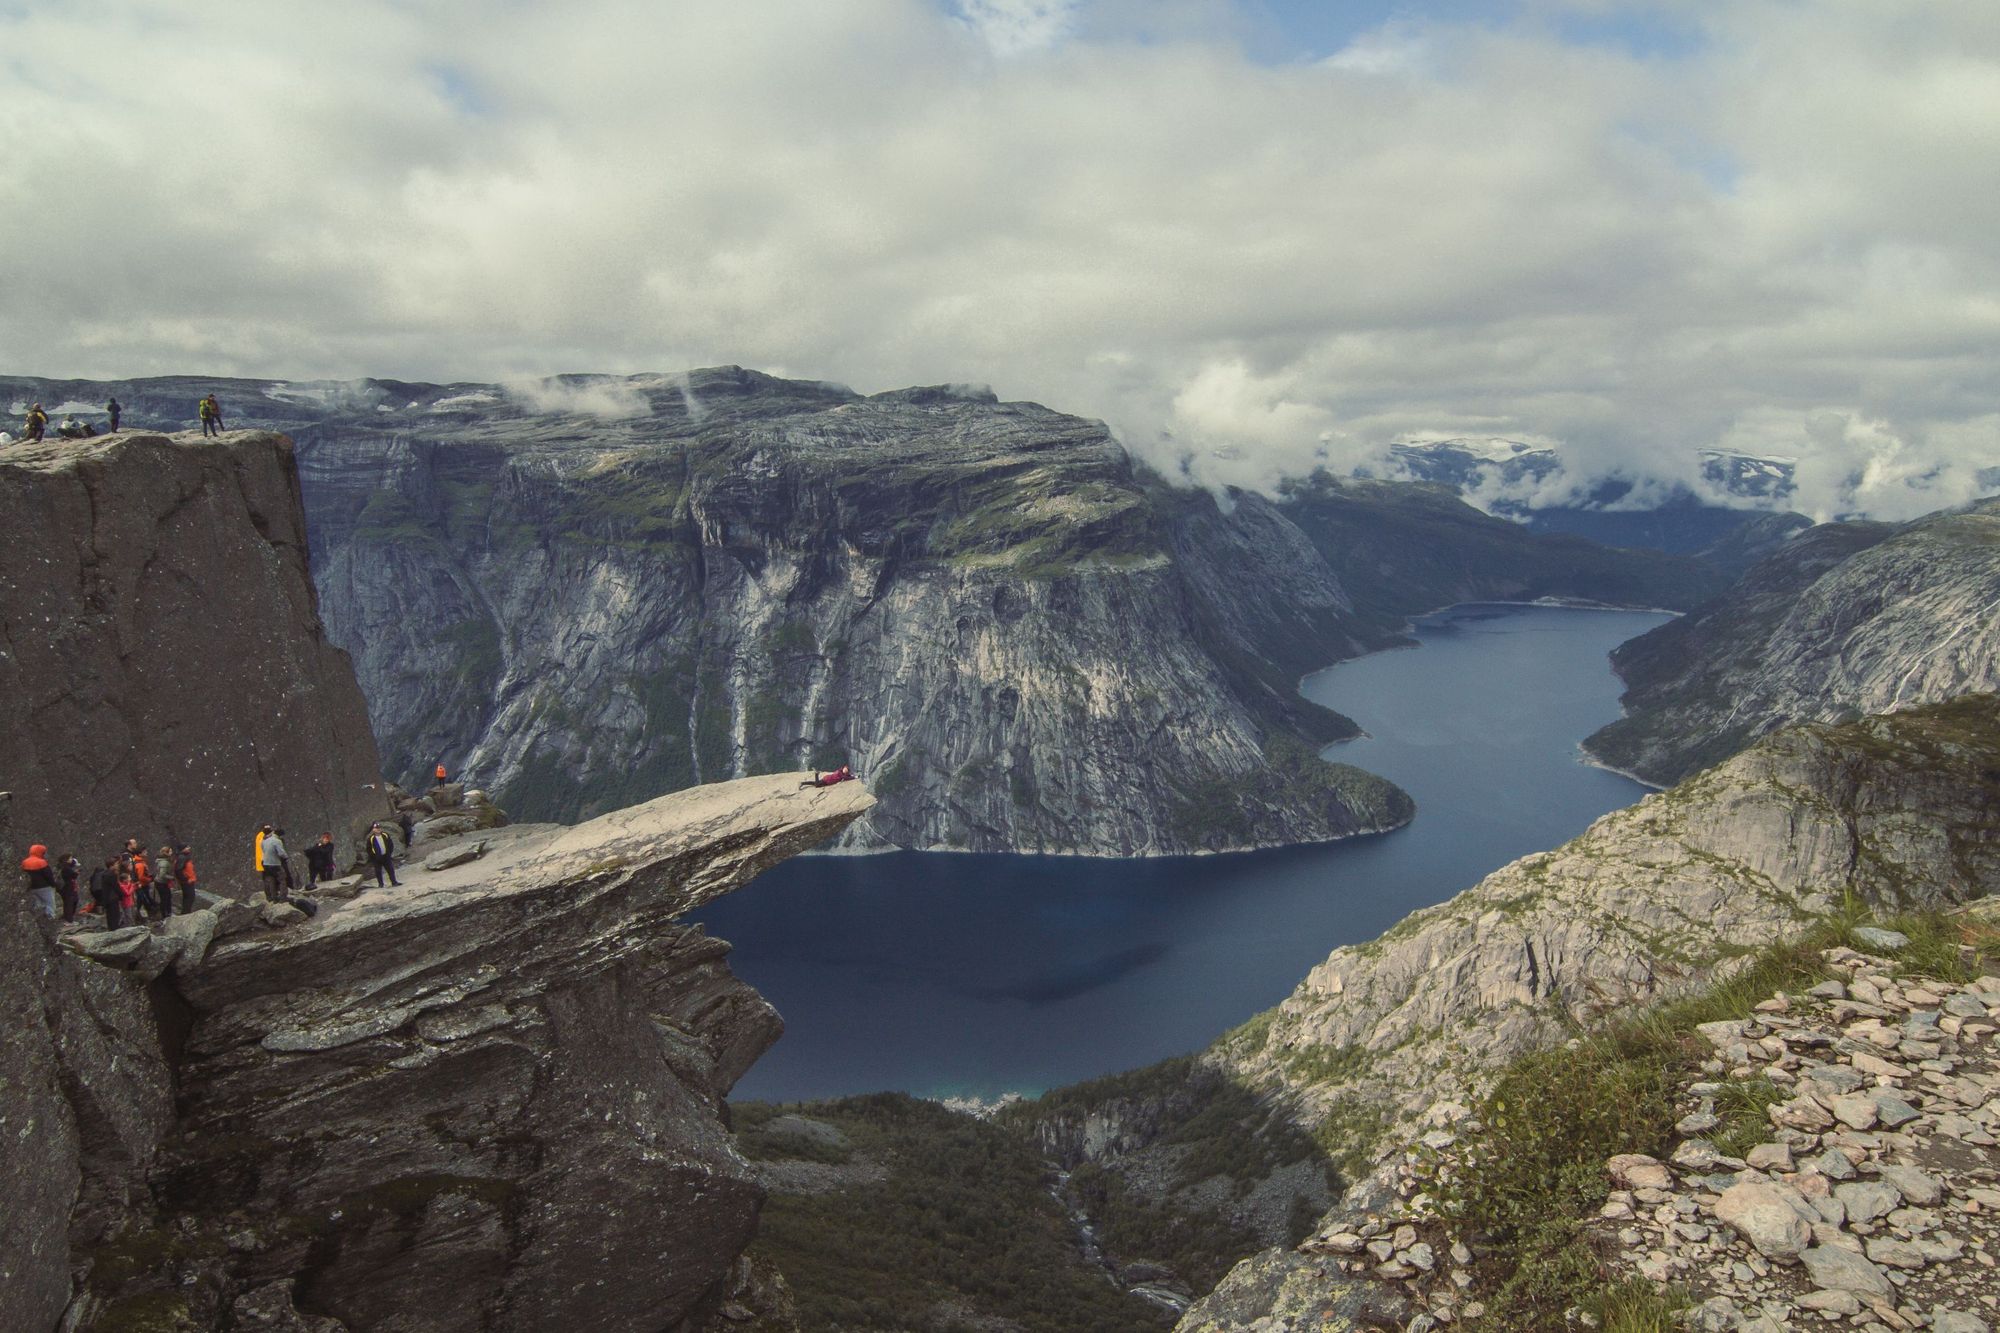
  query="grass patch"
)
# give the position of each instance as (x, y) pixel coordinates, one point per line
(1531, 1174)
(964, 1221)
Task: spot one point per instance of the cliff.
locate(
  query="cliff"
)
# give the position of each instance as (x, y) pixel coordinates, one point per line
(1843, 619)
(591, 590)
(491, 1099)
(1897, 810)
(163, 671)
(1650, 902)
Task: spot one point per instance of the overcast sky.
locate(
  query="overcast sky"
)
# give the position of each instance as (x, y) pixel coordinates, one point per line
(1248, 233)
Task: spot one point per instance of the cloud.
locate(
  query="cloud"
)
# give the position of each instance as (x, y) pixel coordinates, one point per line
(1459, 227)
(589, 396)
(1014, 27)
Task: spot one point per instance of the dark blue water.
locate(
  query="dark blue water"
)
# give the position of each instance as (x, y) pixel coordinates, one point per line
(945, 974)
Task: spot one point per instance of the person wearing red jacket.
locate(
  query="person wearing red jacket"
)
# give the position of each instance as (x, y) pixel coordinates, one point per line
(41, 879)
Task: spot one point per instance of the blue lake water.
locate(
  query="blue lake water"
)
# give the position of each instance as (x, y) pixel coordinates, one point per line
(957, 975)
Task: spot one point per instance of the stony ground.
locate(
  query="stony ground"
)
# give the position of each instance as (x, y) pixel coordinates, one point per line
(1874, 1201)
(1871, 1201)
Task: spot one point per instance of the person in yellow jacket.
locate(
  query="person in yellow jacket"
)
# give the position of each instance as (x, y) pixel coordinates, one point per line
(211, 416)
(37, 422)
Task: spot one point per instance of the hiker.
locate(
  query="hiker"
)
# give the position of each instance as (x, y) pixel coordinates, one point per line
(104, 892)
(165, 872)
(319, 861)
(113, 410)
(382, 855)
(271, 865)
(41, 879)
(184, 872)
(819, 779)
(440, 773)
(37, 421)
(68, 871)
(141, 874)
(211, 416)
(408, 823)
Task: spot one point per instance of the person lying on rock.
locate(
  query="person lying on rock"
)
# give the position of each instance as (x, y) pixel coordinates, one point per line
(819, 779)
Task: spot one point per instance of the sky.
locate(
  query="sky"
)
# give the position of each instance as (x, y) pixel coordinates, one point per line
(1255, 236)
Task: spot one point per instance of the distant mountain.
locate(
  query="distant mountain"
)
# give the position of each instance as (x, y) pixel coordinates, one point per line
(589, 590)
(1843, 619)
(1529, 484)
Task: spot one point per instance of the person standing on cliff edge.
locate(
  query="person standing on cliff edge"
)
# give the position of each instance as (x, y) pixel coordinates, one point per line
(35, 423)
(211, 415)
(440, 773)
(114, 411)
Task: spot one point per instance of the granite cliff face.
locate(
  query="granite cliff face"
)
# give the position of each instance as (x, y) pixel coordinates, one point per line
(588, 591)
(489, 1099)
(1897, 810)
(1844, 619)
(162, 665)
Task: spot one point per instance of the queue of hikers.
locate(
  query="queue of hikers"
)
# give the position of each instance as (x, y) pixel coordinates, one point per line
(131, 887)
(35, 424)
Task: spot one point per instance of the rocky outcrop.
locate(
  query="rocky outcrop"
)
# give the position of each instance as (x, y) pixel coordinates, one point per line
(491, 1099)
(1843, 620)
(590, 591)
(1651, 901)
(163, 671)
(86, 1098)
(1899, 811)
(1882, 1159)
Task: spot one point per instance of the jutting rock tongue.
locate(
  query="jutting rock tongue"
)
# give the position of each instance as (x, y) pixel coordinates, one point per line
(163, 670)
(502, 1082)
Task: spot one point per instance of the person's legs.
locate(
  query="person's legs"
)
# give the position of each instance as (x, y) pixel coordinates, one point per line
(69, 902)
(45, 900)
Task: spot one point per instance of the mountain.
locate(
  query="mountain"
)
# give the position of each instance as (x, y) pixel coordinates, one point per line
(1654, 901)
(1531, 485)
(491, 1098)
(1841, 620)
(590, 590)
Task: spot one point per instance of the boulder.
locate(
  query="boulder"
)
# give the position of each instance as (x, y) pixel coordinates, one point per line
(1915, 1186)
(457, 856)
(1880, 940)
(1835, 1269)
(1767, 1218)
(1636, 1171)
(280, 915)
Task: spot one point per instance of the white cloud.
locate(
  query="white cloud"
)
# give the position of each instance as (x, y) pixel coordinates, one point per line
(1453, 229)
(1015, 27)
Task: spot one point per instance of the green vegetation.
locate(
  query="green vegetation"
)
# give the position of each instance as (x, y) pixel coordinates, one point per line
(962, 1230)
(1221, 812)
(388, 517)
(1531, 1175)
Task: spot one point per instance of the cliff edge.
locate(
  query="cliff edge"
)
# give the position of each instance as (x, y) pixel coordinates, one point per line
(163, 670)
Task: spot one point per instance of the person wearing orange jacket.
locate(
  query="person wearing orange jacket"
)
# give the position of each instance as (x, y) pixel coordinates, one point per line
(440, 773)
(185, 873)
(41, 879)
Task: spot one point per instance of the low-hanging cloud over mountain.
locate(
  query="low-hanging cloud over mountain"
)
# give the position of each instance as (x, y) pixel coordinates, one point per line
(1771, 234)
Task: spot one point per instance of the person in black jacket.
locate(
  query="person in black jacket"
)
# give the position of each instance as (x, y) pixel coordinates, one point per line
(68, 871)
(382, 855)
(104, 891)
(319, 861)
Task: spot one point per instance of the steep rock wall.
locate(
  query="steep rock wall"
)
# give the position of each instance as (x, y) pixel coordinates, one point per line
(163, 671)
(1844, 619)
(1899, 810)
